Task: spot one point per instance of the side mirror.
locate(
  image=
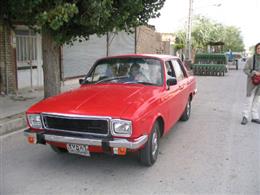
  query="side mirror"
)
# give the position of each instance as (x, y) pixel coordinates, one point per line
(81, 81)
(171, 81)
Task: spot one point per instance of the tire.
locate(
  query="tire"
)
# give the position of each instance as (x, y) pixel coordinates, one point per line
(58, 150)
(186, 114)
(149, 154)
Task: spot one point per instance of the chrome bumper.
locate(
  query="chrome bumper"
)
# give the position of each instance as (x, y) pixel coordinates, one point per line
(115, 143)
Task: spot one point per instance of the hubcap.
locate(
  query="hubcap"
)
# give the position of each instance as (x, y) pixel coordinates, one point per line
(154, 143)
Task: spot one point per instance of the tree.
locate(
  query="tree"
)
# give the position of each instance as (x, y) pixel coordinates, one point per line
(205, 30)
(179, 40)
(179, 44)
(233, 39)
(64, 21)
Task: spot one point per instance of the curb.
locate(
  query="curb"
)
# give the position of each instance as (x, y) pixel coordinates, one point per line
(12, 123)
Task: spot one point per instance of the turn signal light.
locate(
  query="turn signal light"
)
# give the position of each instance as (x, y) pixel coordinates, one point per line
(31, 139)
(119, 151)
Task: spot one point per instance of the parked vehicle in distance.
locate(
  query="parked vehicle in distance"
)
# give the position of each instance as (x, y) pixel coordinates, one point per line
(124, 104)
(233, 58)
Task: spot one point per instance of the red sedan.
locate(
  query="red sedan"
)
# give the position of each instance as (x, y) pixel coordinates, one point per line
(124, 104)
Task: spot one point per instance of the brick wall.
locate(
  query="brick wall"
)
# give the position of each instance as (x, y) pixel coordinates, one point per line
(8, 81)
(149, 41)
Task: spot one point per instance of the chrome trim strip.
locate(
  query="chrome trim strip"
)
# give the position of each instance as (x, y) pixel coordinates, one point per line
(74, 116)
(137, 143)
(74, 140)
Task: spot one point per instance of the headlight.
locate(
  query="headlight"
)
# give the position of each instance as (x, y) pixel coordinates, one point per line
(121, 128)
(35, 120)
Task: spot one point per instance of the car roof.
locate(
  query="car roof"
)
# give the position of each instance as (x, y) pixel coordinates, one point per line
(158, 56)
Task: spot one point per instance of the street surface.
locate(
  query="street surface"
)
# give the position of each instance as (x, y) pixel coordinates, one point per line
(212, 153)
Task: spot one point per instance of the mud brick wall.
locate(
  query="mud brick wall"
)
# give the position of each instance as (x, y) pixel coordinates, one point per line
(8, 81)
(149, 41)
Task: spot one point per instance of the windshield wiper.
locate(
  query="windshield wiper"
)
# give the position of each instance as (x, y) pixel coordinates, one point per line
(111, 79)
(140, 82)
(145, 83)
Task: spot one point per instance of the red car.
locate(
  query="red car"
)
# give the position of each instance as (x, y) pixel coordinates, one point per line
(124, 104)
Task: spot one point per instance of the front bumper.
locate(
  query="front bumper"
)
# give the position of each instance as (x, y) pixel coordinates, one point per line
(43, 137)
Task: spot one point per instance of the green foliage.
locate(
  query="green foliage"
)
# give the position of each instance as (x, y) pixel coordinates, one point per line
(68, 19)
(180, 40)
(205, 30)
(233, 39)
(57, 17)
(178, 46)
(201, 32)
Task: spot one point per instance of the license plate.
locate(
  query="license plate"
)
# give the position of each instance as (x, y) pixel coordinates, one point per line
(78, 149)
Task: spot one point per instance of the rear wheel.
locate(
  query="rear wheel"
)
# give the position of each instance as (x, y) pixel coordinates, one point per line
(148, 155)
(186, 114)
(58, 149)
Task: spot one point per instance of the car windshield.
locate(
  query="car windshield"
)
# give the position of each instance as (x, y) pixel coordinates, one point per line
(147, 71)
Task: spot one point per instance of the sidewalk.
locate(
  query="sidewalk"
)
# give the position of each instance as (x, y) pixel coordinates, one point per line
(13, 107)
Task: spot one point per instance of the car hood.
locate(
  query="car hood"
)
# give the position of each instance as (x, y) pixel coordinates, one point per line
(111, 100)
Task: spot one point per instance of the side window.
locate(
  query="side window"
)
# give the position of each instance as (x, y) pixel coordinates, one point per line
(169, 69)
(178, 70)
(100, 71)
(182, 67)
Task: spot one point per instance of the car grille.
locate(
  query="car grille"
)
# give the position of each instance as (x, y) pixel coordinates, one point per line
(77, 124)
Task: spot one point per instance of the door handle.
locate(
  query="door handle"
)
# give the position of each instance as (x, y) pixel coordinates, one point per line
(181, 87)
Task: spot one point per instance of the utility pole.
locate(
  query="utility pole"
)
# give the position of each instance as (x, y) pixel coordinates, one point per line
(188, 32)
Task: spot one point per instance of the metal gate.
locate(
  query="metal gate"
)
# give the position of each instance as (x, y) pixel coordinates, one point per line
(78, 59)
(29, 59)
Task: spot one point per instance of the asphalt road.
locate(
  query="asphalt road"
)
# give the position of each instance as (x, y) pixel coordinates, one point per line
(210, 154)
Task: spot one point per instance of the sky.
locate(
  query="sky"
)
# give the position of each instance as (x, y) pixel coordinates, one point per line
(243, 14)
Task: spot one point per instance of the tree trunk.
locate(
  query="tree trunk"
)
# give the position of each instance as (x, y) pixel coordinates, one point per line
(51, 65)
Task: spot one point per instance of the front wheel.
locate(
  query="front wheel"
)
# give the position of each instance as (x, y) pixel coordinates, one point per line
(186, 114)
(148, 155)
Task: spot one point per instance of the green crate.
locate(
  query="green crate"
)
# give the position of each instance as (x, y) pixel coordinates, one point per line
(212, 64)
(209, 69)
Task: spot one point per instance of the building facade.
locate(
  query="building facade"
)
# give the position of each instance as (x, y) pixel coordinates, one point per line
(21, 54)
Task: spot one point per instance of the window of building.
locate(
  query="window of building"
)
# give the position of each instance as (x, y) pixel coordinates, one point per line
(26, 47)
